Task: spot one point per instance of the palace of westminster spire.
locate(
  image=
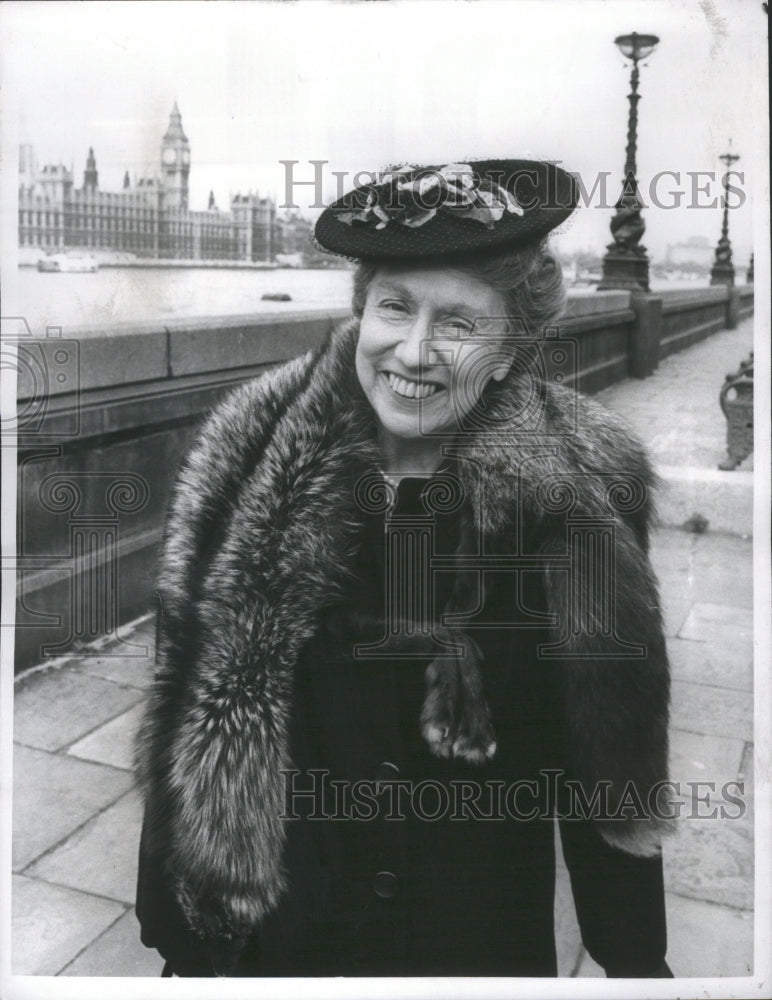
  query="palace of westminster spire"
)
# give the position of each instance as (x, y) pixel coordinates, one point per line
(150, 217)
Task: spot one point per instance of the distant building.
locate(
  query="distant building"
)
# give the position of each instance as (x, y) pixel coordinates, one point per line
(149, 218)
(175, 162)
(295, 234)
(255, 221)
(696, 251)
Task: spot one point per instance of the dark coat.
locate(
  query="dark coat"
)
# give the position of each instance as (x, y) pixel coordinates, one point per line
(271, 569)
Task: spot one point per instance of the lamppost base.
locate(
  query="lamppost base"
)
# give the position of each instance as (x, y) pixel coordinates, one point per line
(722, 274)
(628, 271)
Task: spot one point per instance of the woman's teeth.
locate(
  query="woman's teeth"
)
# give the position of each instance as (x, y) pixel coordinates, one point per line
(411, 390)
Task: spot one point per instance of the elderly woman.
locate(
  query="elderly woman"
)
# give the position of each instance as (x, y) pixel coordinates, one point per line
(406, 620)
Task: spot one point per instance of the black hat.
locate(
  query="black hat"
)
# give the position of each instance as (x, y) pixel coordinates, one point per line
(450, 210)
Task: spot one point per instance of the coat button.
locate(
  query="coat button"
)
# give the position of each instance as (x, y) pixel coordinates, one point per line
(386, 771)
(386, 885)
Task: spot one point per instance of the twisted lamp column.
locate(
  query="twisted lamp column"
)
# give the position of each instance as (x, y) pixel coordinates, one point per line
(626, 264)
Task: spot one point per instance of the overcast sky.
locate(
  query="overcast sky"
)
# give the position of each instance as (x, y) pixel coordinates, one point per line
(362, 85)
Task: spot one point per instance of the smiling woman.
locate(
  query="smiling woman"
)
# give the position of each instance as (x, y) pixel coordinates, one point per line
(417, 333)
(408, 620)
(423, 327)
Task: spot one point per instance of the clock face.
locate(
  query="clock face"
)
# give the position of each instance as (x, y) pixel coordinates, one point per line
(169, 157)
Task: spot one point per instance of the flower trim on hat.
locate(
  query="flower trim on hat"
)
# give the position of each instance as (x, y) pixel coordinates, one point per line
(412, 197)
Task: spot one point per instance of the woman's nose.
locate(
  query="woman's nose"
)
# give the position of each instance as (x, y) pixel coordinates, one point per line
(410, 351)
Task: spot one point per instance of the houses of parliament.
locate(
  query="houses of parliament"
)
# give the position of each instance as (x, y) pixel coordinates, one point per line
(150, 218)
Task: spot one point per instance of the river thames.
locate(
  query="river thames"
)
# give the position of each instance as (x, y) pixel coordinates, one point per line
(139, 295)
(129, 294)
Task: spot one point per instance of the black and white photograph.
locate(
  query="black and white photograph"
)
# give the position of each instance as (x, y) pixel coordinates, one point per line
(386, 495)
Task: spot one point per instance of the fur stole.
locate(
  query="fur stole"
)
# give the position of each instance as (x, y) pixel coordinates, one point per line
(261, 537)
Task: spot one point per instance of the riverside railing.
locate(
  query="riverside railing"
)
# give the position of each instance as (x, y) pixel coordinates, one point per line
(105, 417)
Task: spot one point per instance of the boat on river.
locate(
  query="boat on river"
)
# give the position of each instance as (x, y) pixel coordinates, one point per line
(69, 262)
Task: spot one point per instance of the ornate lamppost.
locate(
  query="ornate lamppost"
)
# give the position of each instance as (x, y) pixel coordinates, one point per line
(626, 264)
(722, 272)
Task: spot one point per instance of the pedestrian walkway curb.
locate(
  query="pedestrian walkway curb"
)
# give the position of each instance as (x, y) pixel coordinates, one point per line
(725, 499)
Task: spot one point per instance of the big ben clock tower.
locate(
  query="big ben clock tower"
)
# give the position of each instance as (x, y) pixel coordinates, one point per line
(175, 162)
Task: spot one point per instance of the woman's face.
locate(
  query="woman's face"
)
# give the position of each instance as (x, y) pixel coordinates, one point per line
(430, 341)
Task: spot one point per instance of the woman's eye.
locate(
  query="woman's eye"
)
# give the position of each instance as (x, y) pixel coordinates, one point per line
(452, 328)
(393, 305)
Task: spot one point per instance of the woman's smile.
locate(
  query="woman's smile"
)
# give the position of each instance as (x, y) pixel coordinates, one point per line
(411, 389)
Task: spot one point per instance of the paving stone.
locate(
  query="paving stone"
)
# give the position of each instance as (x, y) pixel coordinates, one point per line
(694, 757)
(712, 860)
(131, 671)
(118, 952)
(112, 743)
(717, 586)
(718, 623)
(55, 708)
(51, 924)
(709, 569)
(686, 427)
(698, 708)
(671, 546)
(671, 551)
(100, 857)
(674, 578)
(53, 795)
(708, 940)
(725, 583)
(713, 552)
(675, 611)
(717, 664)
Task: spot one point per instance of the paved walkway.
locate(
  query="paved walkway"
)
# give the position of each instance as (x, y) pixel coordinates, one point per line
(676, 412)
(77, 813)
